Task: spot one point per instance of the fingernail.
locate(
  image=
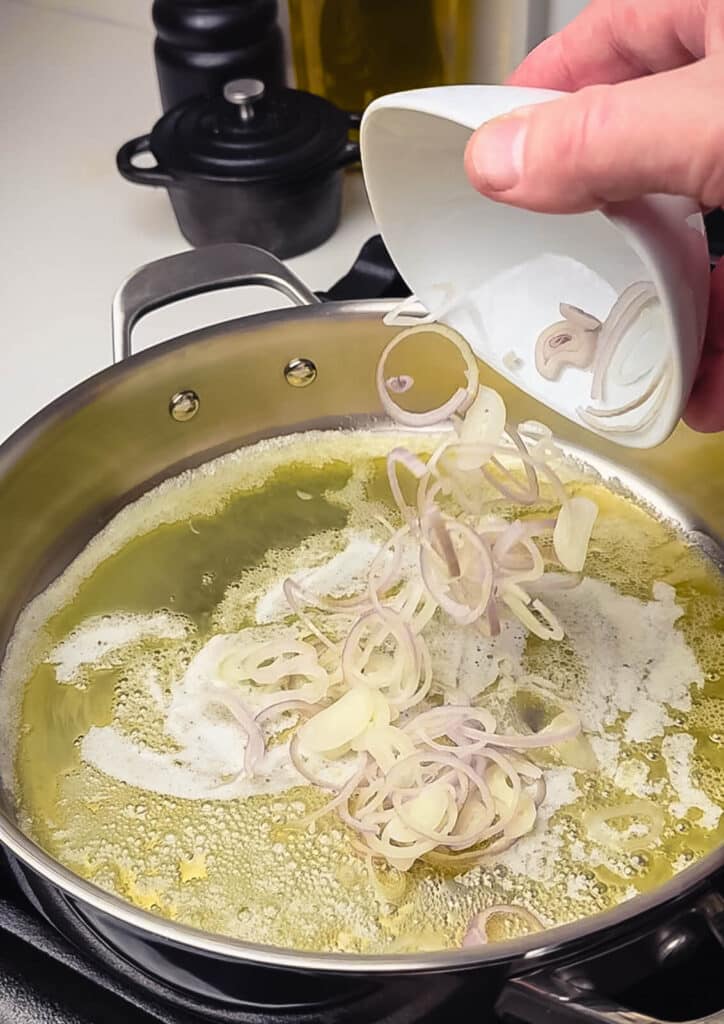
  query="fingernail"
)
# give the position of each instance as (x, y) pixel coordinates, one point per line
(497, 153)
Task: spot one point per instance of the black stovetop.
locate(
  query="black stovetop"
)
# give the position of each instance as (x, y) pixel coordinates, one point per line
(46, 979)
(43, 978)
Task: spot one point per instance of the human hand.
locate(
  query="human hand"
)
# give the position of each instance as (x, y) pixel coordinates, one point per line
(645, 115)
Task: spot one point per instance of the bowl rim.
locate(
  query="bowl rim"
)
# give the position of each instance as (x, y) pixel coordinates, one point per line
(628, 218)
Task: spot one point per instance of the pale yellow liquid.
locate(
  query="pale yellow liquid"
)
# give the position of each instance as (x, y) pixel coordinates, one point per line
(241, 867)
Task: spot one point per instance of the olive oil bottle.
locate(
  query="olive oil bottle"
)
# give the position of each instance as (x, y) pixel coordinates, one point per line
(351, 51)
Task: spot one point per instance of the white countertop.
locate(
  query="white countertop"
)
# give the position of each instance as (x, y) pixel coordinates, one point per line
(77, 80)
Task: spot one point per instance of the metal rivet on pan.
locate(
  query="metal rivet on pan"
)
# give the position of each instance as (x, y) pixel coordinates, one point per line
(300, 373)
(184, 405)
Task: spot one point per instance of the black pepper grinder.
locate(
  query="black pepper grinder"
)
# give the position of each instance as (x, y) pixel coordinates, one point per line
(202, 44)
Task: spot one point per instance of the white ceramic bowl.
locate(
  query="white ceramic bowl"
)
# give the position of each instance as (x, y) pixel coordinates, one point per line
(498, 274)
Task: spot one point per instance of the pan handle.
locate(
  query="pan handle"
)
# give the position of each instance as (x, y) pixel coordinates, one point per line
(207, 269)
(542, 997)
(551, 996)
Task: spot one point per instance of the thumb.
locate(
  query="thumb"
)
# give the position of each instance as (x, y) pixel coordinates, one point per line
(663, 133)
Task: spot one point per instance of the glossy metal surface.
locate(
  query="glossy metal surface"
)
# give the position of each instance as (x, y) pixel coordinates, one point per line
(568, 997)
(185, 274)
(244, 93)
(69, 470)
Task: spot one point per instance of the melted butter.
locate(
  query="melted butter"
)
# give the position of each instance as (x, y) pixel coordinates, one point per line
(245, 867)
(187, 566)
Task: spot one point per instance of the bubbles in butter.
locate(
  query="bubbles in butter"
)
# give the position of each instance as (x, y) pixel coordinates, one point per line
(636, 662)
(97, 639)
(155, 786)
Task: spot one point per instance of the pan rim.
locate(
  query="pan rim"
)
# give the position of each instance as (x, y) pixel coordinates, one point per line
(529, 950)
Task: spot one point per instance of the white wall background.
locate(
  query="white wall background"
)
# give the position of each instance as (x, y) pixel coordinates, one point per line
(131, 13)
(137, 13)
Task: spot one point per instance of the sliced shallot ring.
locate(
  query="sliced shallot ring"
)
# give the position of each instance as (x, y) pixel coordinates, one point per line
(462, 613)
(449, 760)
(477, 934)
(407, 653)
(325, 602)
(295, 756)
(414, 465)
(627, 428)
(284, 703)
(484, 422)
(397, 317)
(444, 546)
(481, 741)
(449, 716)
(635, 403)
(288, 658)
(645, 811)
(458, 402)
(519, 534)
(390, 575)
(462, 860)
(255, 749)
(294, 595)
(343, 795)
(579, 316)
(626, 309)
(540, 466)
(413, 602)
(528, 463)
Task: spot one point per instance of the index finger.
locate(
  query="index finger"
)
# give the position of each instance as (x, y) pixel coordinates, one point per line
(614, 40)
